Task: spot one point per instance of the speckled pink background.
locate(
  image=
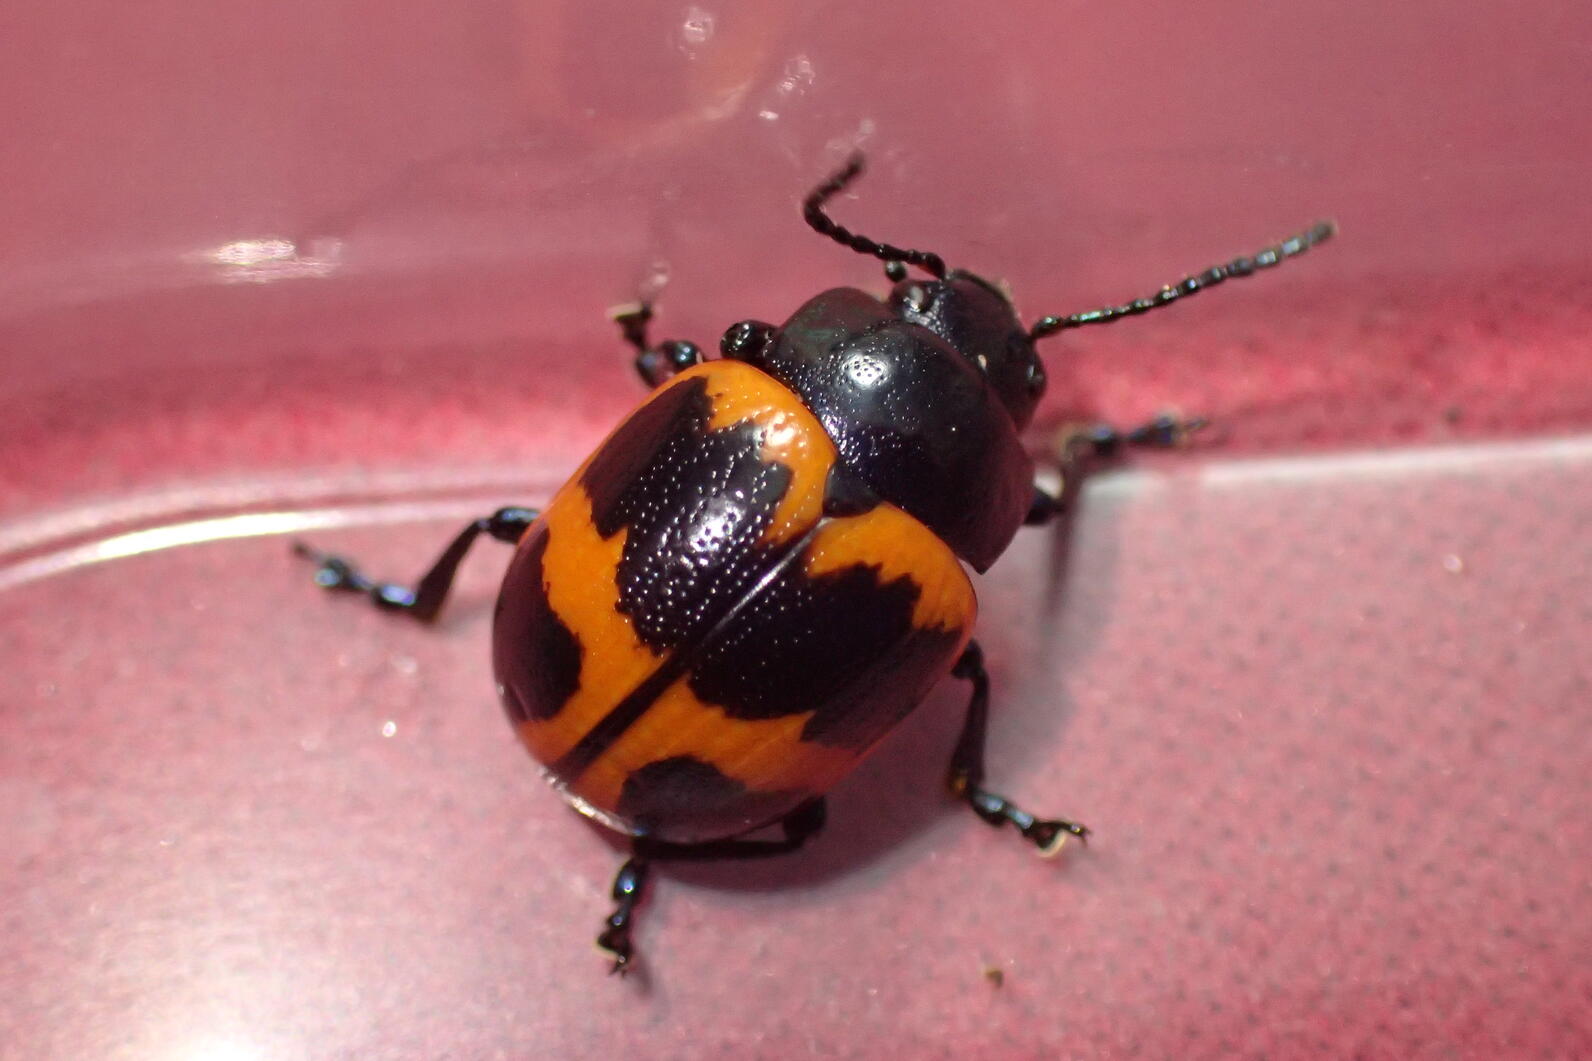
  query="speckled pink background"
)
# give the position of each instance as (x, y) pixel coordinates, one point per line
(1320, 685)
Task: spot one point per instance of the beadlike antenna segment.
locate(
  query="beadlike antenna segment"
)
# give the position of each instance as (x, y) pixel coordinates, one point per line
(1265, 259)
(813, 212)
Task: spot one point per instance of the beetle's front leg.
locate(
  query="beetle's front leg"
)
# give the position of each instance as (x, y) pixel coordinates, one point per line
(654, 364)
(1166, 431)
(1080, 445)
(966, 779)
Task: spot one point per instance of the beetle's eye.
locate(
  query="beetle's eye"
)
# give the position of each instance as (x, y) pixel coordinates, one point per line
(919, 298)
(1036, 376)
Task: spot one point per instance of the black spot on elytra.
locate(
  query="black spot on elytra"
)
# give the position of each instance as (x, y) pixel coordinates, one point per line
(694, 503)
(537, 657)
(681, 409)
(841, 645)
(685, 799)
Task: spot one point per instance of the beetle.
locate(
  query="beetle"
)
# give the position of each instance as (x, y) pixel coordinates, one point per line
(762, 570)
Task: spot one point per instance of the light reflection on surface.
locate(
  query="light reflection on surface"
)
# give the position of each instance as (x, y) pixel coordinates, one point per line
(1213, 474)
(253, 251)
(1391, 464)
(249, 525)
(866, 371)
(259, 261)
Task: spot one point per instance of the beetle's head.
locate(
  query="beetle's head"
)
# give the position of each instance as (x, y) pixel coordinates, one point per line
(977, 318)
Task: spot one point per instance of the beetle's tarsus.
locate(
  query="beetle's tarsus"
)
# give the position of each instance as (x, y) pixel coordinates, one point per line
(333, 572)
(630, 884)
(1168, 430)
(424, 601)
(338, 575)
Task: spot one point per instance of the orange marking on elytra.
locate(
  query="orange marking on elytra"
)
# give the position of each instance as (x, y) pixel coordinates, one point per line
(763, 754)
(897, 546)
(789, 435)
(580, 572)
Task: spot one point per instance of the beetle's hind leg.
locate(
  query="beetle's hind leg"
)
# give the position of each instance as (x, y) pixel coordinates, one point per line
(966, 779)
(425, 600)
(799, 826)
(614, 940)
(654, 364)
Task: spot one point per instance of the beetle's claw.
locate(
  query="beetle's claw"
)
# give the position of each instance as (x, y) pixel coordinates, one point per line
(1051, 835)
(331, 572)
(615, 944)
(639, 311)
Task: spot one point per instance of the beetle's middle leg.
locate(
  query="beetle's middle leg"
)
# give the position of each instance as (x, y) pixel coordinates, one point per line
(654, 364)
(966, 779)
(425, 599)
(799, 826)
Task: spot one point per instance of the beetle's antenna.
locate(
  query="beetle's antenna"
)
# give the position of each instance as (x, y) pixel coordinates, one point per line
(1272, 255)
(813, 211)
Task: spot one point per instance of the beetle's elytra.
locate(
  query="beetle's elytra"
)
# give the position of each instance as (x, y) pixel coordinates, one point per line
(761, 571)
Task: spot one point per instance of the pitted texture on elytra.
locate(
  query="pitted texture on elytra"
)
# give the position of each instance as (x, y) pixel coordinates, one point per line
(694, 503)
(841, 645)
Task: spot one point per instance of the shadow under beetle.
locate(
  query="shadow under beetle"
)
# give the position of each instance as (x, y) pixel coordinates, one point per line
(760, 572)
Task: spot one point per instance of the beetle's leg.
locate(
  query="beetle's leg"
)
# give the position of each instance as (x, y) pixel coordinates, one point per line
(1166, 431)
(654, 364)
(1081, 444)
(1045, 507)
(799, 826)
(967, 768)
(425, 600)
(614, 940)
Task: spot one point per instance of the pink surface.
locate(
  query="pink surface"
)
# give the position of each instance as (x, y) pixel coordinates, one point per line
(1320, 687)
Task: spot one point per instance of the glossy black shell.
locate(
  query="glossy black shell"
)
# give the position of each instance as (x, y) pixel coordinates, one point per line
(913, 417)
